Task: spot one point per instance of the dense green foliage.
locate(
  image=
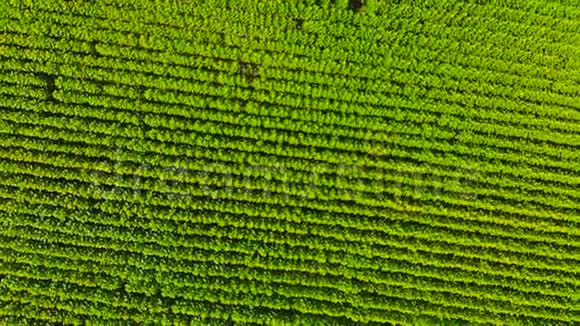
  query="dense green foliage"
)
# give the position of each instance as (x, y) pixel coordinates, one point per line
(289, 162)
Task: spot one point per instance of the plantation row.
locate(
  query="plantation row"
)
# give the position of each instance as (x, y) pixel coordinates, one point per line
(266, 58)
(374, 177)
(538, 247)
(109, 314)
(411, 235)
(217, 38)
(132, 170)
(323, 32)
(555, 15)
(519, 217)
(89, 232)
(392, 302)
(259, 119)
(113, 50)
(265, 196)
(312, 167)
(318, 183)
(8, 181)
(152, 115)
(248, 91)
(431, 219)
(135, 301)
(315, 170)
(261, 224)
(415, 245)
(116, 276)
(183, 139)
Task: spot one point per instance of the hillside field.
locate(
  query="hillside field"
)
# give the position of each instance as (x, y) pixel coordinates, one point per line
(289, 162)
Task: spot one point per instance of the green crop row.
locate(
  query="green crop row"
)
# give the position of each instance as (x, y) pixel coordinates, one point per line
(155, 180)
(211, 173)
(169, 105)
(276, 63)
(567, 101)
(532, 211)
(93, 97)
(198, 282)
(443, 121)
(230, 112)
(389, 245)
(433, 22)
(362, 260)
(31, 92)
(171, 164)
(370, 177)
(556, 16)
(400, 77)
(430, 259)
(138, 281)
(455, 151)
(295, 162)
(104, 233)
(22, 78)
(252, 306)
(202, 289)
(172, 134)
(43, 306)
(420, 93)
(372, 224)
(398, 267)
(291, 37)
(325, 234)
(371, 202)
(25, 313)
(439, 162)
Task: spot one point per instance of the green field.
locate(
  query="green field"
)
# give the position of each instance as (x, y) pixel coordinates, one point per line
(298, 162)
